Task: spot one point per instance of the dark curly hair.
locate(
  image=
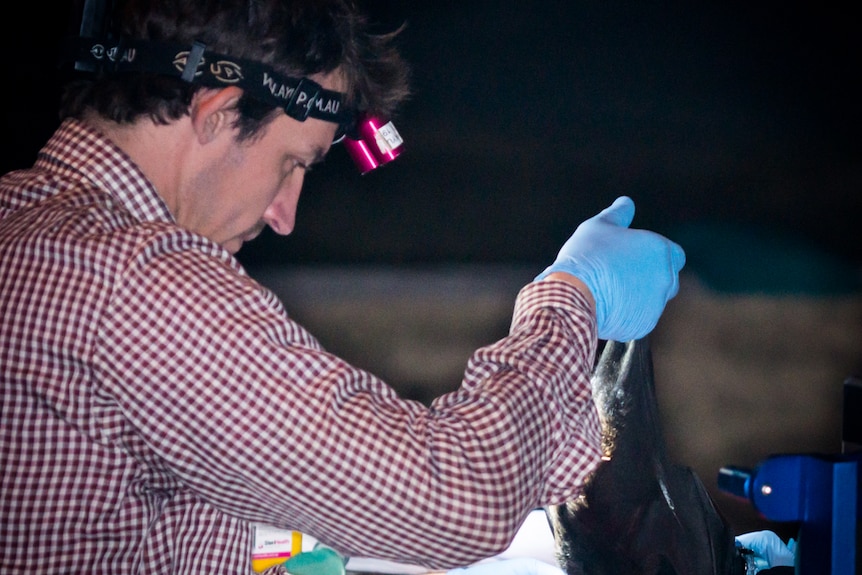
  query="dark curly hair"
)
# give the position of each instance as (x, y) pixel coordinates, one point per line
(295, 37)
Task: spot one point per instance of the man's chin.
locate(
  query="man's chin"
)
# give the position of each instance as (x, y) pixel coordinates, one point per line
(233, 245)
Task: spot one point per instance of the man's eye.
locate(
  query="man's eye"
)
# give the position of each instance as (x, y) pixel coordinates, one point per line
(292, 166)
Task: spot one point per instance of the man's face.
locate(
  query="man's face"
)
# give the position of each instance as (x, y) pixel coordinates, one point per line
(250, 184)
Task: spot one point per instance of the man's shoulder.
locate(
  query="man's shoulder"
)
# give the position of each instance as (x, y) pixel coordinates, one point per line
(21, 189)
(85, 223)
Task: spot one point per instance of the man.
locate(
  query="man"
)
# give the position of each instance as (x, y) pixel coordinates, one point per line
(157, 403)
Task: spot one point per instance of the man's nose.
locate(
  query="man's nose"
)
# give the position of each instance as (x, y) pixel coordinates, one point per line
(280, 215)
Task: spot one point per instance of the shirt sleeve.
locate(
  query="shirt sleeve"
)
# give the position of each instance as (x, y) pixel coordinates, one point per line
(242, 405)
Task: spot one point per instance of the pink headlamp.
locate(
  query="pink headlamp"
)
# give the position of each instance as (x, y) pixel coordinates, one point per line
(373, 143)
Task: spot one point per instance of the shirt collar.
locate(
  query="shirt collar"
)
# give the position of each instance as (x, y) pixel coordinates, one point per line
(81, 149)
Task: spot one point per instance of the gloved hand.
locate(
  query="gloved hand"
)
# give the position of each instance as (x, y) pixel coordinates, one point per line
(769, 550)
(319, 561)
(515, 566)
(631, 273)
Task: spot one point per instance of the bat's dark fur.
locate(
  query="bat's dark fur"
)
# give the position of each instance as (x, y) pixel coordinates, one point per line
(640, 514)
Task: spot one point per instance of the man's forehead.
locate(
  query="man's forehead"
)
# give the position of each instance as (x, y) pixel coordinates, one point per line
(309, 140)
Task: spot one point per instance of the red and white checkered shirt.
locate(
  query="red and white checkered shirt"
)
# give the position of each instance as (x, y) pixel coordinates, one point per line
(156, 400)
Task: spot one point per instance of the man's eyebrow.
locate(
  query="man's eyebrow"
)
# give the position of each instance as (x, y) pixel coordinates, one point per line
(319, 154)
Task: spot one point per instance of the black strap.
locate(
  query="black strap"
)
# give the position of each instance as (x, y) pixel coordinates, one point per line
(299, 97)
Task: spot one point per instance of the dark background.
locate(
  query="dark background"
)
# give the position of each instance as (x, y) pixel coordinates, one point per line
(733, 126)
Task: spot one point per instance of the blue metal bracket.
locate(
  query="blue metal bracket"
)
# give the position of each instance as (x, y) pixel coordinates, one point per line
(821, 492)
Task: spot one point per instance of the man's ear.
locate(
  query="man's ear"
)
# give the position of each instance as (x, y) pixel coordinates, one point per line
(213, 110)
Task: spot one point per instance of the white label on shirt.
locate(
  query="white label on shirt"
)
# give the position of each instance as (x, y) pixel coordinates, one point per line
(271, 542)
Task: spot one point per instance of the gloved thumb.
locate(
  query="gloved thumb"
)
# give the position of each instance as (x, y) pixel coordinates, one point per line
(620, 213)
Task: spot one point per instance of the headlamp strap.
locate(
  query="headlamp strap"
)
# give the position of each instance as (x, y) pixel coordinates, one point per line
(299, 97)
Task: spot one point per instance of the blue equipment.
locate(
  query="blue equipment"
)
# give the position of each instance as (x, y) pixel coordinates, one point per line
(821, 492)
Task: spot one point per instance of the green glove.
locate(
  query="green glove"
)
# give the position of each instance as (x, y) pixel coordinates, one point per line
(319, 561)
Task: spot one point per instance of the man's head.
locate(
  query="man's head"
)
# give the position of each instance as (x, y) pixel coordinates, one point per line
(295, 38)
(228, 161)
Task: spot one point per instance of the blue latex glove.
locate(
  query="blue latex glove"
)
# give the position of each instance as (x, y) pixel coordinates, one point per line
(631, 273)
(769, 550)
(515, 566)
